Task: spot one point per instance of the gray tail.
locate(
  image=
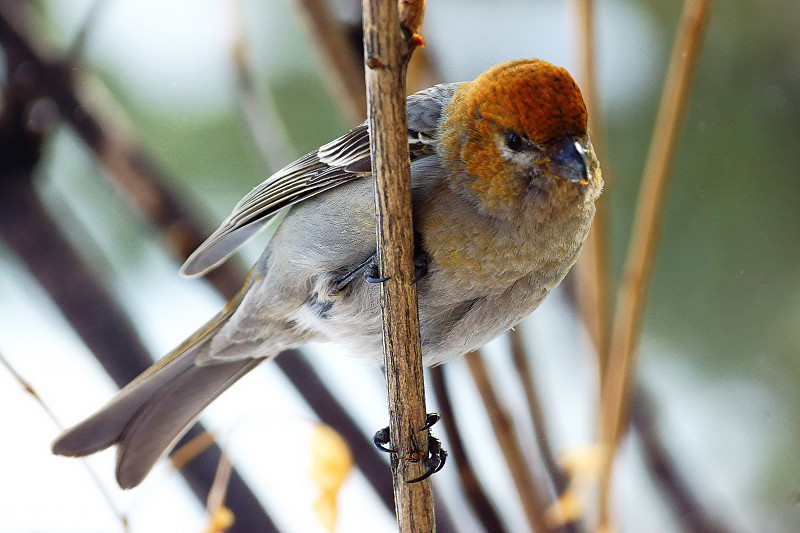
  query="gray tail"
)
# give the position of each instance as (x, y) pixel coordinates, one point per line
(149, 415)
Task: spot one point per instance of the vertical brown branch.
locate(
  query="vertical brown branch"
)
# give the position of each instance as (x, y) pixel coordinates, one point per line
(504, 432)
(470, 484)
(629, 315)
(389, 39)
(519, 355)
(592, 270)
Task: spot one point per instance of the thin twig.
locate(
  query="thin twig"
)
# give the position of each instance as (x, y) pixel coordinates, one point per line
(220, 516)
(477, 497)
(504, 433)
(593, 274)
(343, 68)
(387, 50)
(27, 387)
(629, 315)
(78, 44)
(259, 111)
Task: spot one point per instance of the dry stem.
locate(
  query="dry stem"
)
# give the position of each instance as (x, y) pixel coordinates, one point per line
(27, 387)
(470, 484)
(387, 50)
(592, 270)
(629, 314)
(504, 433)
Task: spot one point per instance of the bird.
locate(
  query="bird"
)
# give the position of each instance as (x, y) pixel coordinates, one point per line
(504, 183)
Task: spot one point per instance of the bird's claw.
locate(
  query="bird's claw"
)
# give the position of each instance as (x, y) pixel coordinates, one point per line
(433, 461)
(371, 274)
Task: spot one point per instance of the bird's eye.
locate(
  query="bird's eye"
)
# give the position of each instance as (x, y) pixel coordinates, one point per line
(513, 141)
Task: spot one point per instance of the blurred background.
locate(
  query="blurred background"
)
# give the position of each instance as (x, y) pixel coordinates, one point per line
(218, 94)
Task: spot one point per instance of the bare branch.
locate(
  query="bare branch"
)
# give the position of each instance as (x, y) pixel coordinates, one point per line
(387, 50)
(477, 497)
(27, 387)
(592, 270)
(504, 433)
(630, 311)
(259, 111)
(557, 476)
(664, 472)
(343, 68)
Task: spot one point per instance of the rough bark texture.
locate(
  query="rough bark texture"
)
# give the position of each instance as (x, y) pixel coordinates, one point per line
(388, 44)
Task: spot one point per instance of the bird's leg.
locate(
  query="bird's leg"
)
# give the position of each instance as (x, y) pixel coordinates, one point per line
(342, 282)
(433, 461)
(372, 272)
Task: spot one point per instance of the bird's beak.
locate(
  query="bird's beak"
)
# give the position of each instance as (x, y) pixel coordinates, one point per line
(569, 159)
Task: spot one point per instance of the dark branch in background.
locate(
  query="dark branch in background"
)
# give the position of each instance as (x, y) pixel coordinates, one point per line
(127, 163)
(37, 240)
(470, 484)
(52, 80)
(556, 475)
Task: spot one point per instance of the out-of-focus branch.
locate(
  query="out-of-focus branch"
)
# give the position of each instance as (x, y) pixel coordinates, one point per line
(76, 48)
(389, 40)
(477, 497)
(592, 270)
(630, 311)
(504, 433)
(556, 475)
(52, 80)
(29, 231)
(134, 173)
(259, 111)
(343, 68)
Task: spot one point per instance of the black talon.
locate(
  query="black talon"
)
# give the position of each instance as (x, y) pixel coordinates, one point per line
(371, 274)
(430, 420)
(381, 439)
(342, 282)
(433, 461)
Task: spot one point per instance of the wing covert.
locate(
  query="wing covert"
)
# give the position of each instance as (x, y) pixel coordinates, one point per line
(344, 159)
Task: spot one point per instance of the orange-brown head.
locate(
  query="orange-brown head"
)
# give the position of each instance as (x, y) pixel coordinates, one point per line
(519, 127)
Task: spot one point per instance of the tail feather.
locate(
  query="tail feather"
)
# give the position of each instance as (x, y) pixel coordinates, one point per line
(169, 413)
(153, 411)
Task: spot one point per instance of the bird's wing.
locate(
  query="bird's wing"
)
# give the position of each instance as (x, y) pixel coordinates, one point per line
(341, 160)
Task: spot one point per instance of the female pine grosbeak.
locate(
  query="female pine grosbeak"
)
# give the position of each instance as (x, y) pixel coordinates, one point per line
(504, 182)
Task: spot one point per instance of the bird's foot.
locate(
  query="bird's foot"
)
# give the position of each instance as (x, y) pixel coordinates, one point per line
(433, 461)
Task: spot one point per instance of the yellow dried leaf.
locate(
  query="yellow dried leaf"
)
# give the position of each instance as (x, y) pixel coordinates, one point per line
(331, 462)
